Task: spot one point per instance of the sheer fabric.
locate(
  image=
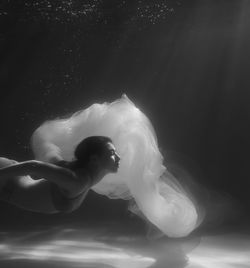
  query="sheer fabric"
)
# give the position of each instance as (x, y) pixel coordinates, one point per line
(141, 176)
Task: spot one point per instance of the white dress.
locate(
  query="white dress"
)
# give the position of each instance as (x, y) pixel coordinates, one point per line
(141, 174)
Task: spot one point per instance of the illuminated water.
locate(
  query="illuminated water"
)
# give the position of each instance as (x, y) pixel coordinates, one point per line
(112, 247)
(185, 63)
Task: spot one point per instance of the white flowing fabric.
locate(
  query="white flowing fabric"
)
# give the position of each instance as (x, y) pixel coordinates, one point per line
(141, 175)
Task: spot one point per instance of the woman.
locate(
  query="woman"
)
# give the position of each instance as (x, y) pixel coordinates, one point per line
(61, 186)
(141, 177)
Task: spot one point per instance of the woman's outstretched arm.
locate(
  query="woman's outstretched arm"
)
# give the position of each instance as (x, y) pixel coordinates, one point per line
(62, 177)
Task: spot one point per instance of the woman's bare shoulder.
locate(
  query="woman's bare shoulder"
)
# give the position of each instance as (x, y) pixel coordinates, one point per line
(84, 177)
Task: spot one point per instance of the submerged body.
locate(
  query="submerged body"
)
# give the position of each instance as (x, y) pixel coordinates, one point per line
(60, 186)
(55, 181)
(141, 175)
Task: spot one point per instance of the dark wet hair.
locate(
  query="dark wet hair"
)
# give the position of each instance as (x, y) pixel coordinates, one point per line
(93, 145)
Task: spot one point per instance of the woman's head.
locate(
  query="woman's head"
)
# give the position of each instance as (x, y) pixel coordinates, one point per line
(97, 150)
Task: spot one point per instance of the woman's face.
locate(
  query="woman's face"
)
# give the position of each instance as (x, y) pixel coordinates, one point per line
(110, 158)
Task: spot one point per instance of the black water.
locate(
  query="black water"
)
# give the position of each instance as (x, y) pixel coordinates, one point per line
(184, 63)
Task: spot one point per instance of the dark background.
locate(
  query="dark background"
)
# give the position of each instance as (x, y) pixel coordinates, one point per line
(184, 63)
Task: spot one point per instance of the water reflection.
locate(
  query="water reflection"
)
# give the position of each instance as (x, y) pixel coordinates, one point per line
(108, 248)
(225, 251)
(88, 247)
